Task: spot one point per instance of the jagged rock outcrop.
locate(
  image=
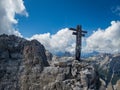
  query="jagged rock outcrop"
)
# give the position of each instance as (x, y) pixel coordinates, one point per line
(33, 63)
(108, 66)
(69, 75)
(21, 62)
(24, 66)
(117, 86)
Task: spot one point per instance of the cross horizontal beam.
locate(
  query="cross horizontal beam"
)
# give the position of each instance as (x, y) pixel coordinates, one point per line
(72, 29)
(74, 33)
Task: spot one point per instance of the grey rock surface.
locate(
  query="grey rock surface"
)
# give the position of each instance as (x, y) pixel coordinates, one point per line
(117, 86)
(108, 66)
(74, 76)
(24, 66)
(21, 63)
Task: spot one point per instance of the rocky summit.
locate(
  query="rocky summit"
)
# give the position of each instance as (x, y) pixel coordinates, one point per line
(26, 65)
(21, 63)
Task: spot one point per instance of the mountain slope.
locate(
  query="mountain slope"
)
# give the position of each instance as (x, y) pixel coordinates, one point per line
(20, 61)
(108, 66)
(26, 65)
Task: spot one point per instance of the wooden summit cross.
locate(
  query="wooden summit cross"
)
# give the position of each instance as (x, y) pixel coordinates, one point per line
(79, 33)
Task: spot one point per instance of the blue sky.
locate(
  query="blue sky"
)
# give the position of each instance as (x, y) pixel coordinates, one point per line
(53, 15)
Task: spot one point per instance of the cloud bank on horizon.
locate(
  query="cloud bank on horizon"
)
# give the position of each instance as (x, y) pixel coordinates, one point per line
(8, 10)
(104, 41)
(62, 41)
(107, 40)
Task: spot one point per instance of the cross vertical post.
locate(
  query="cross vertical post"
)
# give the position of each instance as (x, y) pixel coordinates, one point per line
(79, 33)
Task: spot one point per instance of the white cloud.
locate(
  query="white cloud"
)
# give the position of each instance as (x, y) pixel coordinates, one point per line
(45, 39)
(8, 9)
(107, 40)
(62, 41)
(116, 10)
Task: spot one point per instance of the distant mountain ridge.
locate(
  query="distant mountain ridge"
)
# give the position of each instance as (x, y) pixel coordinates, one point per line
(90, 54)
(108, 66)
(83, 54)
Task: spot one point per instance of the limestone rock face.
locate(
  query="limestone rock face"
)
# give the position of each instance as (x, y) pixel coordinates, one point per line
(34, 62)
(24, 66)
(108, 66)
(34, 53)
(73, 76)
(49, 56)
(110, 87)
(21, 63)
(117, 87)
